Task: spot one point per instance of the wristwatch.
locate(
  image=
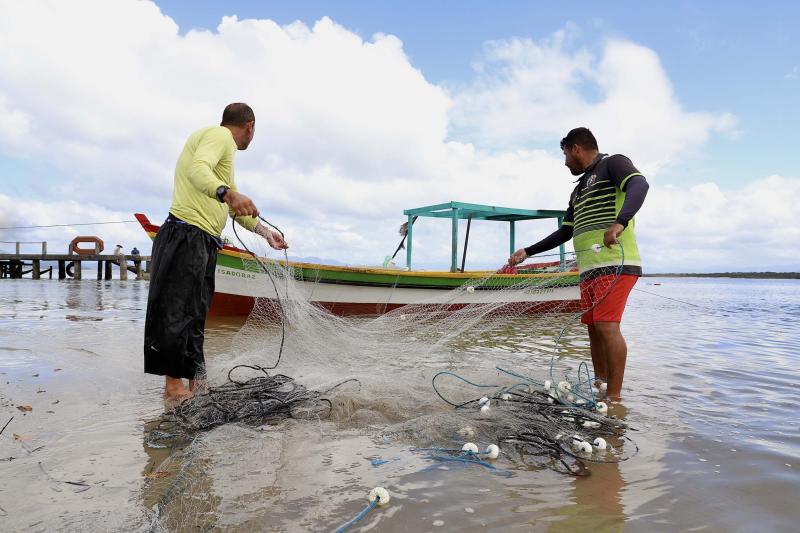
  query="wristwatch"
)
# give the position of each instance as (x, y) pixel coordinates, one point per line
(221, 190)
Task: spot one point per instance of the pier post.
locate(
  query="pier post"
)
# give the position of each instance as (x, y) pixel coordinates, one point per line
(138, 269)
(123, 267)
(36, 273)
(15, 269)
(109, 275)
(99, 270)
(17, 247)
(62, 269)
(44, 248)
(77, 275)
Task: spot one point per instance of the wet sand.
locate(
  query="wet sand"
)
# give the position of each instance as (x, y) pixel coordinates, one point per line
(711, 390)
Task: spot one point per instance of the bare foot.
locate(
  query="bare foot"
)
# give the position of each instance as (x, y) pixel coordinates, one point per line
(175, 390)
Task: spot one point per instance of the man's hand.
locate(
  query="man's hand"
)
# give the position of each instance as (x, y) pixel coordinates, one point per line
(241, 205)
(273, 237)
(275, 240)
(613, 231)
(518, 257)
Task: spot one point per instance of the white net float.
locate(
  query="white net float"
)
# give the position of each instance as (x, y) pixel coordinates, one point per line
(493, 451)
(380, 494)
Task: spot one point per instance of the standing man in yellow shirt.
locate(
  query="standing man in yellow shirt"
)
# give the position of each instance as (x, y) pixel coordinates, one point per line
(185, 249)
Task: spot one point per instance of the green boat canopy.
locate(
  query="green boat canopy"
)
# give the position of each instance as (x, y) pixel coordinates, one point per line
(456, 211)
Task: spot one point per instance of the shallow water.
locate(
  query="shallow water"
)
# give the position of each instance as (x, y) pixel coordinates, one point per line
(711, 388)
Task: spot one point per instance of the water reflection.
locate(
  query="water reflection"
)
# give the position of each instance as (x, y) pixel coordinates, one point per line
(178, 489)
(596, 503)
(597, 498)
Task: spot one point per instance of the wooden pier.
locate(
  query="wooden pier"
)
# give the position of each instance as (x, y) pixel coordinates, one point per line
(17, 265)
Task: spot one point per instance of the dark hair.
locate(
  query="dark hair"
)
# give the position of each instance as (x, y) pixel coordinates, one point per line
(580, 136)
(237, 114)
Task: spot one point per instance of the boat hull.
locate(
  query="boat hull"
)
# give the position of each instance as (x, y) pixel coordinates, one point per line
(240, 280)
(236, 291)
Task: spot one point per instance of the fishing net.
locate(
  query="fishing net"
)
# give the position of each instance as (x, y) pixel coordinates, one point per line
(497, 357)
(251, 400)
(463, 327)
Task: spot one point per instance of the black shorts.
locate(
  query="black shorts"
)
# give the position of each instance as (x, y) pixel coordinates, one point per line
(181, 288)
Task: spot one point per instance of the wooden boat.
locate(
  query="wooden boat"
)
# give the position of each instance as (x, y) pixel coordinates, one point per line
(347, 290)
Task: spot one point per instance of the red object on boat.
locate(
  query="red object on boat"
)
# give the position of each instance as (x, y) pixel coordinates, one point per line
(507, 269)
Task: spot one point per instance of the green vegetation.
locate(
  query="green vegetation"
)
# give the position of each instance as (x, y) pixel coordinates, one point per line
(747, 275)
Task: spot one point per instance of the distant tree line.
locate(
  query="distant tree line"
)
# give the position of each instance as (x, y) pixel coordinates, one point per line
(749, 275)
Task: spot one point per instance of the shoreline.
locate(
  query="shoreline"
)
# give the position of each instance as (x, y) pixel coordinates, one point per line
(744, 275)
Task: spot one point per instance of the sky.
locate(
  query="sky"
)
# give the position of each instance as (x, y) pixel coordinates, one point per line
(368, 108)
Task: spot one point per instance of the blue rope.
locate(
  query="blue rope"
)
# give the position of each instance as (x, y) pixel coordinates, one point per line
(450, 450)
(588, 381)
(522, 386)
(372, 505)
(520, 376)
(464, 459)
(465, 380)
(501, 389)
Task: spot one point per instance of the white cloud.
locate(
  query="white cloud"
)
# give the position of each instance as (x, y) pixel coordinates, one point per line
(705, 228)
(23, 212)
(526, 90)
(349, 132)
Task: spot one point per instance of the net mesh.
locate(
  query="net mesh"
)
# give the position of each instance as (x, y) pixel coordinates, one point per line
(498, 358)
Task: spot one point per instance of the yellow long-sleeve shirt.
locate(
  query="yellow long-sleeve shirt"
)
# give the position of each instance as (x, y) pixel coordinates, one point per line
(205, 164)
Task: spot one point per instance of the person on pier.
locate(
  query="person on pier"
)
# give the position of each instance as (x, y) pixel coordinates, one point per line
(185, 249)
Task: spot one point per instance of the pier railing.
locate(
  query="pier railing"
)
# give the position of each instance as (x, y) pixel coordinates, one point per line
(20, 264)
(18, 245)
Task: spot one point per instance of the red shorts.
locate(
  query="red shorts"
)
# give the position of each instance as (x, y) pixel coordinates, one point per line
(612, 298)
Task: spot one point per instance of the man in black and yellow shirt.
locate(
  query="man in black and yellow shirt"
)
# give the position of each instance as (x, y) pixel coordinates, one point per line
(609, 192)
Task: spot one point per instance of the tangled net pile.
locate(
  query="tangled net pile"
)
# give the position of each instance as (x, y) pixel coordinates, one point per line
(542, 430)
(253, 401)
